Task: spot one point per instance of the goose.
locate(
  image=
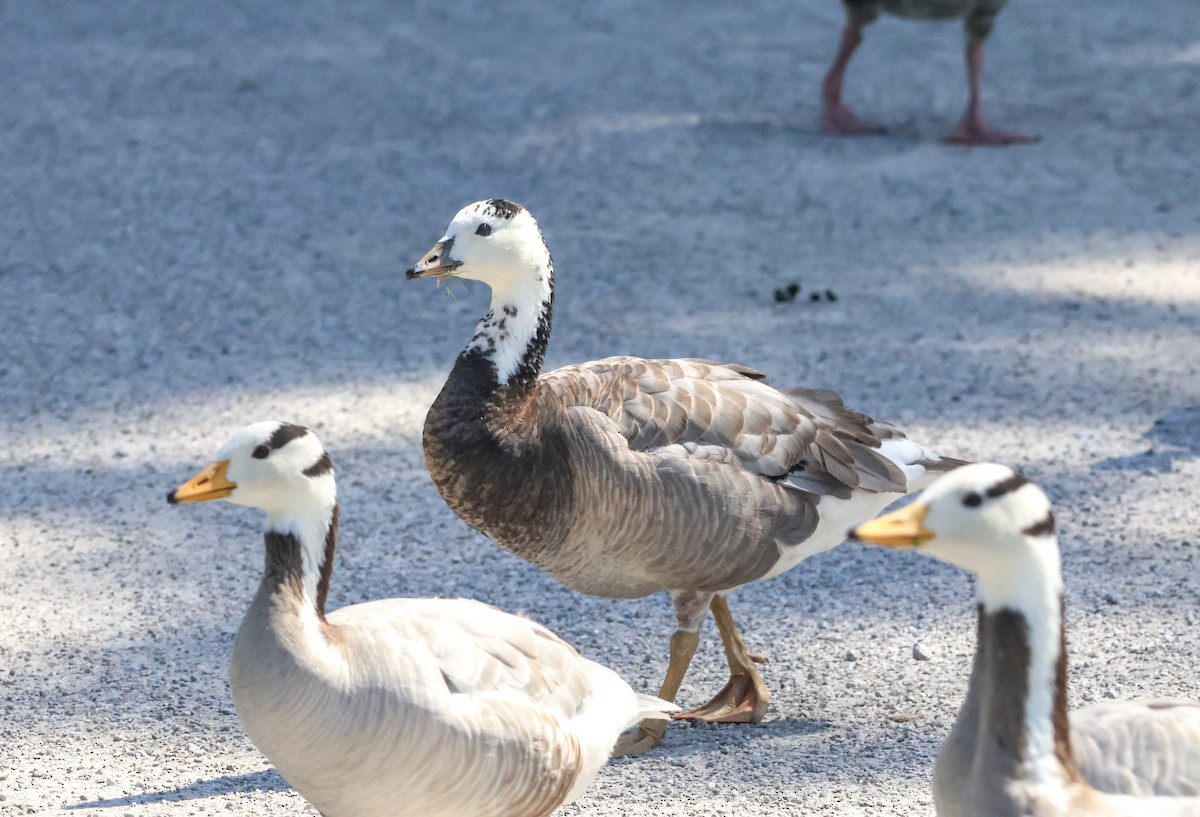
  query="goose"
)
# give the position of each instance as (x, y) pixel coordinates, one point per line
(1012, 749)
(978, 17)
(420, 707)
(624, 476)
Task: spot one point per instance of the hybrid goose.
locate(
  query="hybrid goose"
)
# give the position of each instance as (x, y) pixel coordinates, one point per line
(622, 477)
(978, 17)
(421, 707)
(1010, 751)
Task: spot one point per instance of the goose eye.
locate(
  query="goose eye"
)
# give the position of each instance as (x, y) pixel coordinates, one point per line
(261, 452)
(483, 229)
(972, 500)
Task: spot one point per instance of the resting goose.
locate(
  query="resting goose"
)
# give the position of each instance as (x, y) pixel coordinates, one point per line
(421, 707)
(978, 17)
(622, 477)
(1010, 751)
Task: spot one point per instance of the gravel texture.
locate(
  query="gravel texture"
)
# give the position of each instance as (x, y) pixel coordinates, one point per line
(206, 212)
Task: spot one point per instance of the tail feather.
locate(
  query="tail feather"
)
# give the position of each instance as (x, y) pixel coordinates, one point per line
(942, 464)
(876, 473)
(932, 468)
(654, 709)
(919, 464)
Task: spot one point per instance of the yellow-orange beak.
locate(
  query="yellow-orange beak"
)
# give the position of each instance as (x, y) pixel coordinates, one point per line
(211, 483)
(904, 528)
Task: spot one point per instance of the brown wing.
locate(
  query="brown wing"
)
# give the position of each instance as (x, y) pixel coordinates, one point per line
(806, 439)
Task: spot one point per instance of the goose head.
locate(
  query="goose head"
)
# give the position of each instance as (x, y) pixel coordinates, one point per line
(278, 467)
(500, 244)
(496, 242)
(985, 518)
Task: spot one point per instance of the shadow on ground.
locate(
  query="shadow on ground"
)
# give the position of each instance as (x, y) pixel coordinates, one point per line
(266, 780)
(1173, 438)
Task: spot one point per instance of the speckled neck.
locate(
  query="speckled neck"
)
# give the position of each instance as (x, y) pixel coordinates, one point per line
(514, 334)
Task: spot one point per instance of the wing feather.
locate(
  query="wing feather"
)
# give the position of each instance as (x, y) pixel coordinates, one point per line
(1139, 747)
(453, 704)
(479, 649)
(804, 438)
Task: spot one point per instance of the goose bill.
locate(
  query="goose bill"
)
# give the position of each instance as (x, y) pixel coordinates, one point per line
(211, 483)
(898, 529)
(436, 263)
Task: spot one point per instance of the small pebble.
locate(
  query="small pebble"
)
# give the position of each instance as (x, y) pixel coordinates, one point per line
(851, 655)
(920, 652)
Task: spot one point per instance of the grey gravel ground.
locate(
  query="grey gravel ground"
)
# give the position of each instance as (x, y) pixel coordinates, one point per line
(205, 212)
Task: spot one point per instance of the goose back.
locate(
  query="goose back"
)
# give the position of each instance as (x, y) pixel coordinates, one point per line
(1139, 747)
(469, 701)
(618, 476)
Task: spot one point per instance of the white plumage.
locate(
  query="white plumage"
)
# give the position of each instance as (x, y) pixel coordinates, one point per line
(1139, 747)
(422, 707)
(1011, 750)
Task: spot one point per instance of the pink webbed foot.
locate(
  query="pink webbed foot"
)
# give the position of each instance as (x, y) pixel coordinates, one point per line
(641, 740)
(974, 131)
(839, 120)
(743, 700)
(971, 129)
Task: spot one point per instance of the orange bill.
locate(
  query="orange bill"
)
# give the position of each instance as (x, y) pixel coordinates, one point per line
(211, 483)
(899, 529)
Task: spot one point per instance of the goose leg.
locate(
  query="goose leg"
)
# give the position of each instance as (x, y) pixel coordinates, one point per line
(649, 733)
(836, 118)
(744, 699)
(690, 609)
(972, 129)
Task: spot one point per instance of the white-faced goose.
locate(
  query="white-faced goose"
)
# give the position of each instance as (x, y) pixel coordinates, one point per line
(421, 707)
(622, 477)
(1012, 750)
(977, 16)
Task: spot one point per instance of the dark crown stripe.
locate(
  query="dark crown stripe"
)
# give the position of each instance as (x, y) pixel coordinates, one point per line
(320, 467)
(285, 434)
(1043, 528)
(503, 208)
(1006, 486)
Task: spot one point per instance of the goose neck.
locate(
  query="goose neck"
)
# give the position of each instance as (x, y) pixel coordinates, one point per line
(300, 545)
(514, 333)
(1022, 677)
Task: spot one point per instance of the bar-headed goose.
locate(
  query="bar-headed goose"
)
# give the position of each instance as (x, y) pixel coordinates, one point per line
(622, 477)
(422, 707)
(1011, 751)
(978, 17)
